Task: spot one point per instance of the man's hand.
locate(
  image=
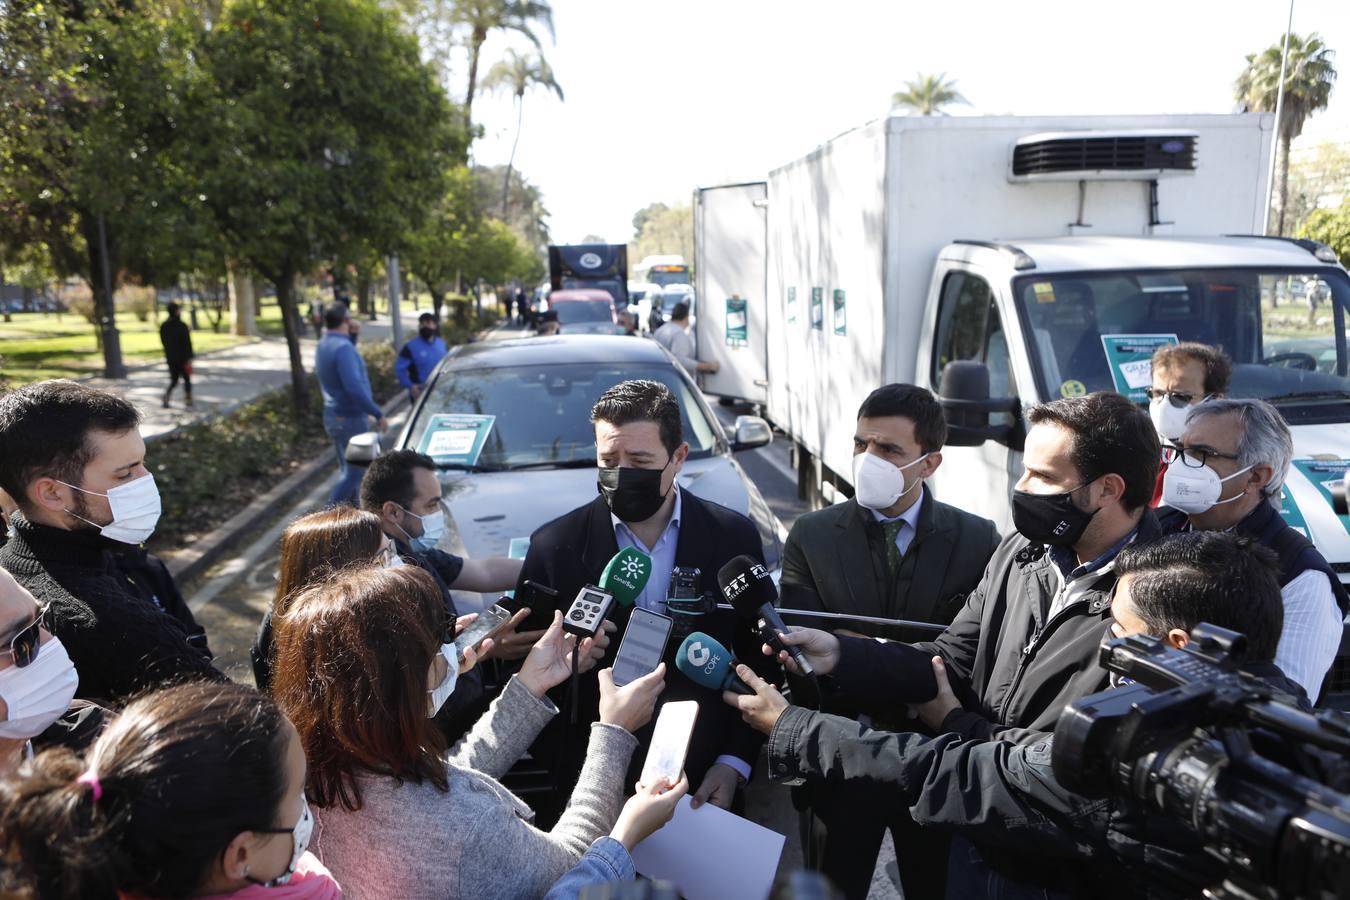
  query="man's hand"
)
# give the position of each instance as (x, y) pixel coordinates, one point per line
(381, 424)
(761, 709)
(513, 644)
(718, 787)
(549, 663)
(935, 711)
(821, 649)
(416, 391)
(599, 644)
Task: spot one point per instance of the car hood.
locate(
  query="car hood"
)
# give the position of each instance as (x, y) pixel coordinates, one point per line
(490, 509)
(589, 328)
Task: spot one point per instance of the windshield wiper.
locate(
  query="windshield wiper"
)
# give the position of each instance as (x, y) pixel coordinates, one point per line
(582, 463)
(1309, 395)
(460, 467)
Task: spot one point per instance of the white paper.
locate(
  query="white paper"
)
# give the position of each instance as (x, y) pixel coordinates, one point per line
(1138, 373)
(452, 442)
(711, 854)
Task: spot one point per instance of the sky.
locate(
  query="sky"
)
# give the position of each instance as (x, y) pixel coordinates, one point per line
(663, 97)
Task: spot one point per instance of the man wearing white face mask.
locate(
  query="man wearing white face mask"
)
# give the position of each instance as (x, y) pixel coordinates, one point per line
(73, 460)
(1183, 375)
(893, 551)
(1226, 474)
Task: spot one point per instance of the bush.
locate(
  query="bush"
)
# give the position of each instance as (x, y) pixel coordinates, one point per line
(139, 301)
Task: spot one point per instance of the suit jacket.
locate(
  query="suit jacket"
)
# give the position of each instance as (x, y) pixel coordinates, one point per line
(571, 552)
(828, 564)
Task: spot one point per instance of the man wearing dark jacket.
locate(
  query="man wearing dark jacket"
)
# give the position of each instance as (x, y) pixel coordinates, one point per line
(640, 449)
(73, 460)
(892, 551)
(177, 340)
(1005, 793)
(1025, 643)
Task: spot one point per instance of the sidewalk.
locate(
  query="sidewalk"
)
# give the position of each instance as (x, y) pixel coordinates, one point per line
(224, 379)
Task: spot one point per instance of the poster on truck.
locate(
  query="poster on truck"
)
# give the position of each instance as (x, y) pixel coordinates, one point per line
(1130, 358)
(738, 326)
(818, 308)
(840, 312)
(1326, 474)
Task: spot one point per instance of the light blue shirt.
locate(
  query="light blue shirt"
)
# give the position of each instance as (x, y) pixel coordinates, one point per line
(905, 536)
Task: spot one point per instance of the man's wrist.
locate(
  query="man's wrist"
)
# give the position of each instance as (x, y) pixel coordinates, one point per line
(737, 765)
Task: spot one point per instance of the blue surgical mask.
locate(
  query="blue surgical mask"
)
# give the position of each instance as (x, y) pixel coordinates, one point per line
(433, 529)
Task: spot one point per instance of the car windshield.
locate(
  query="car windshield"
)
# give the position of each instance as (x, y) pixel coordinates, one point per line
(541, 415)
(1285, 330)
(665, 278)
(572, 311)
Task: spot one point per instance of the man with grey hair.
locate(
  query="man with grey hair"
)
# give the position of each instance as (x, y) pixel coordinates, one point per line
(1225, 474)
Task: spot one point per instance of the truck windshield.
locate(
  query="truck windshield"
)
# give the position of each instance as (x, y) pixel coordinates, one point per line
(1285, 330)
(664, 275)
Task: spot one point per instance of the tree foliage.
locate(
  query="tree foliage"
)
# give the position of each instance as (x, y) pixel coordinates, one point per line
(665, 230)
(1331, 227)
(928, 94)
(482, 17)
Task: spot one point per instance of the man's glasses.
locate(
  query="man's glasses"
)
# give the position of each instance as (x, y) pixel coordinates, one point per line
(1177, 398)
(1192, 457)
(23, 647)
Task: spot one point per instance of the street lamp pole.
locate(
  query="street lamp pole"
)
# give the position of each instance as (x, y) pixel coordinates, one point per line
(1279, 113)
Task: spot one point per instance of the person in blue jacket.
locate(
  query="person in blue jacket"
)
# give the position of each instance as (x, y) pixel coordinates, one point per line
(348, 404)
(419, 356)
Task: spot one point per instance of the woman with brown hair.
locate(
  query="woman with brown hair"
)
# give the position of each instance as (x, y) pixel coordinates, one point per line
(313, 547)
(361, 661)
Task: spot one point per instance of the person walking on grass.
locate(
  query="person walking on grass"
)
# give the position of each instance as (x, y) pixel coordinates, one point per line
(176, 337)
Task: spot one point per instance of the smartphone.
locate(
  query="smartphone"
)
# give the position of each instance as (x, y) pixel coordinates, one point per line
(670, 741)
(489, 622)
(642, 647)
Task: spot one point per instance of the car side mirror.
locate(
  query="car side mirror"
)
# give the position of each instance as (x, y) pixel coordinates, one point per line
(751, 432)
(964, 395)
(363, 449)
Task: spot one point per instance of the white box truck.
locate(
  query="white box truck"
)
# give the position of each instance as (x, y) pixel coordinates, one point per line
(1054, 252)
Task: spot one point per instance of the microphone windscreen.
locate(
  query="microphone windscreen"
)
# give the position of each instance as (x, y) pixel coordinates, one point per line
(704, 661)
(626, 575)
(747, 586)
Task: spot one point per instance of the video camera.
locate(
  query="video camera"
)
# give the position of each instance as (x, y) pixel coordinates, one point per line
(1259, 781)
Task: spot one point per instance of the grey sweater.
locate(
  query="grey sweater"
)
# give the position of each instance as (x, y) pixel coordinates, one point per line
(411, 840)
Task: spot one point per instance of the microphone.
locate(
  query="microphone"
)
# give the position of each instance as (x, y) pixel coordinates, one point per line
(707, 663)
(749, 589)
(624, 578)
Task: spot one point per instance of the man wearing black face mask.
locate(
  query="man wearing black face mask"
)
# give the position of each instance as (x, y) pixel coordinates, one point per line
(419, 356)
(640, 449)
(1026, 642)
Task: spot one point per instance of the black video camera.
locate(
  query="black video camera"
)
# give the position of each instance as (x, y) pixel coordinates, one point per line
(1258, 780)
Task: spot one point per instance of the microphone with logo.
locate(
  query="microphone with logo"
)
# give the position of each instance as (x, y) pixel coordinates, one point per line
(704, 660)
(749, 589)
(623, 580)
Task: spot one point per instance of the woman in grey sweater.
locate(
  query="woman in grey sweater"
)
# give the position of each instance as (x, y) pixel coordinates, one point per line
(362, 663)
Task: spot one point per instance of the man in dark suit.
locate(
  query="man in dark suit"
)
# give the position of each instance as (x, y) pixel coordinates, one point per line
(640, 450)
(895, 552)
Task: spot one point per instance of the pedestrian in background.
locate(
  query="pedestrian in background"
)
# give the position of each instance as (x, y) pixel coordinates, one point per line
(348, 404)
(177, 340)
(419, 356)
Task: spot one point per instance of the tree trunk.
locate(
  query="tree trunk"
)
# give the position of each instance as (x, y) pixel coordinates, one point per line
(243, 303)
(437, 299)
(475, 49)
(285, 286)
(510, 163)
(103, 285)
(1285, 141)
(364, 305)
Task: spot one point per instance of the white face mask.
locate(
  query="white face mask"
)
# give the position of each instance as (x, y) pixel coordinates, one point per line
(878, 484)
(1195, 491)
(1169, 420)
(300, 836)
(442, 691)
(135, 508)
(39, 693)
(393, 560)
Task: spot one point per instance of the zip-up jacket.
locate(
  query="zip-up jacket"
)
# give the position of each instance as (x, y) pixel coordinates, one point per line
(416, 360)
(1012, 665)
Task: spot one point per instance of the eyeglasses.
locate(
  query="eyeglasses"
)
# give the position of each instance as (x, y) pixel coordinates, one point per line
(1192, 457)
(1177, 398)
(23, 647)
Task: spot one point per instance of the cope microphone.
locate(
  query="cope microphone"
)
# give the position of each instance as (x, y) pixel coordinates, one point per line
(704, 660)
(749, 589)
(624, 578)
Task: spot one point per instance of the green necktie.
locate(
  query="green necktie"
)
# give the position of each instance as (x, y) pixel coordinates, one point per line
(891, 530)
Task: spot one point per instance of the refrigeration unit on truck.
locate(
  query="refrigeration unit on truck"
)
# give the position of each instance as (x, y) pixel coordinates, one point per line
(1051, 255)
(602, 266)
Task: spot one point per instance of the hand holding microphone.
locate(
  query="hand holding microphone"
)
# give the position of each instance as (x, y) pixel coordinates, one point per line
(747, 586)
(760, 709)
(550, 660)
(820, 647)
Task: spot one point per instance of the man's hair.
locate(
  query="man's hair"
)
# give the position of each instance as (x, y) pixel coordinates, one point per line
(390, 477)
(914, 403)
(1218, 577)
(1110, 435)
(426, 317)
(1264, 437)
(680, 311)
(642, 401)
(334, 315)
(173, 308)
(1218, 365)
(45, 432)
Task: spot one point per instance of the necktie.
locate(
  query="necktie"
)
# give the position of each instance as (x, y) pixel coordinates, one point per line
(891, 530)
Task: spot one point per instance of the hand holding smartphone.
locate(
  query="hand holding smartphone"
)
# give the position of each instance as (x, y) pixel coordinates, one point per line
(670, 741)
(489, 622)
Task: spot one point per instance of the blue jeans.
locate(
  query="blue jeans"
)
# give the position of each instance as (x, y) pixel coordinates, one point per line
(968, 875)
(341, 430)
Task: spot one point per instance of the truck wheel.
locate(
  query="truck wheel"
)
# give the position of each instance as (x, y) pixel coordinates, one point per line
(808, 478)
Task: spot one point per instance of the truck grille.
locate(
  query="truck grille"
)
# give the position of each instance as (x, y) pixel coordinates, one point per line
(1059, 154)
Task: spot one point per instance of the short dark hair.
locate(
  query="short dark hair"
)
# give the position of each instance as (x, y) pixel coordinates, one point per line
(334, 315)
(180, 771)
(914, 403)
(680, 311)
(173, 308)
(390, 477)
(45, 429)
(1217, 577)
(426, 317)
(642, 401)
(1218, 364)
(1110, 435)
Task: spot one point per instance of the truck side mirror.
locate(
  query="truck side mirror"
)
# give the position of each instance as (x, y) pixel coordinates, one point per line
(964, 395)
(363, 448)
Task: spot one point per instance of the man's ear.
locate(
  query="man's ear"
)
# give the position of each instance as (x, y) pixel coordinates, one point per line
(1260, 476)
(48, 494)
(1112, 487)
(391, 512)
(680, 455)
(930, 465)
(1178, 638)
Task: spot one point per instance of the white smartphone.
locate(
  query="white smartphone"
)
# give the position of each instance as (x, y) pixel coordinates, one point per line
(670, 741)
(642, 647)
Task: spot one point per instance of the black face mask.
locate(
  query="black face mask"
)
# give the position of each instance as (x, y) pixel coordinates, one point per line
(1052, 519)
(634, 495)
(427, 333)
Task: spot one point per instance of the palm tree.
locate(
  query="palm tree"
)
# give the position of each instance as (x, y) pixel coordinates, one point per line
(481, 17)
(1307, 88)
(518, 73)
(927, 94)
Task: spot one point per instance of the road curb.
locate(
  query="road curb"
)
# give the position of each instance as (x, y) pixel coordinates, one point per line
(192, 562)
